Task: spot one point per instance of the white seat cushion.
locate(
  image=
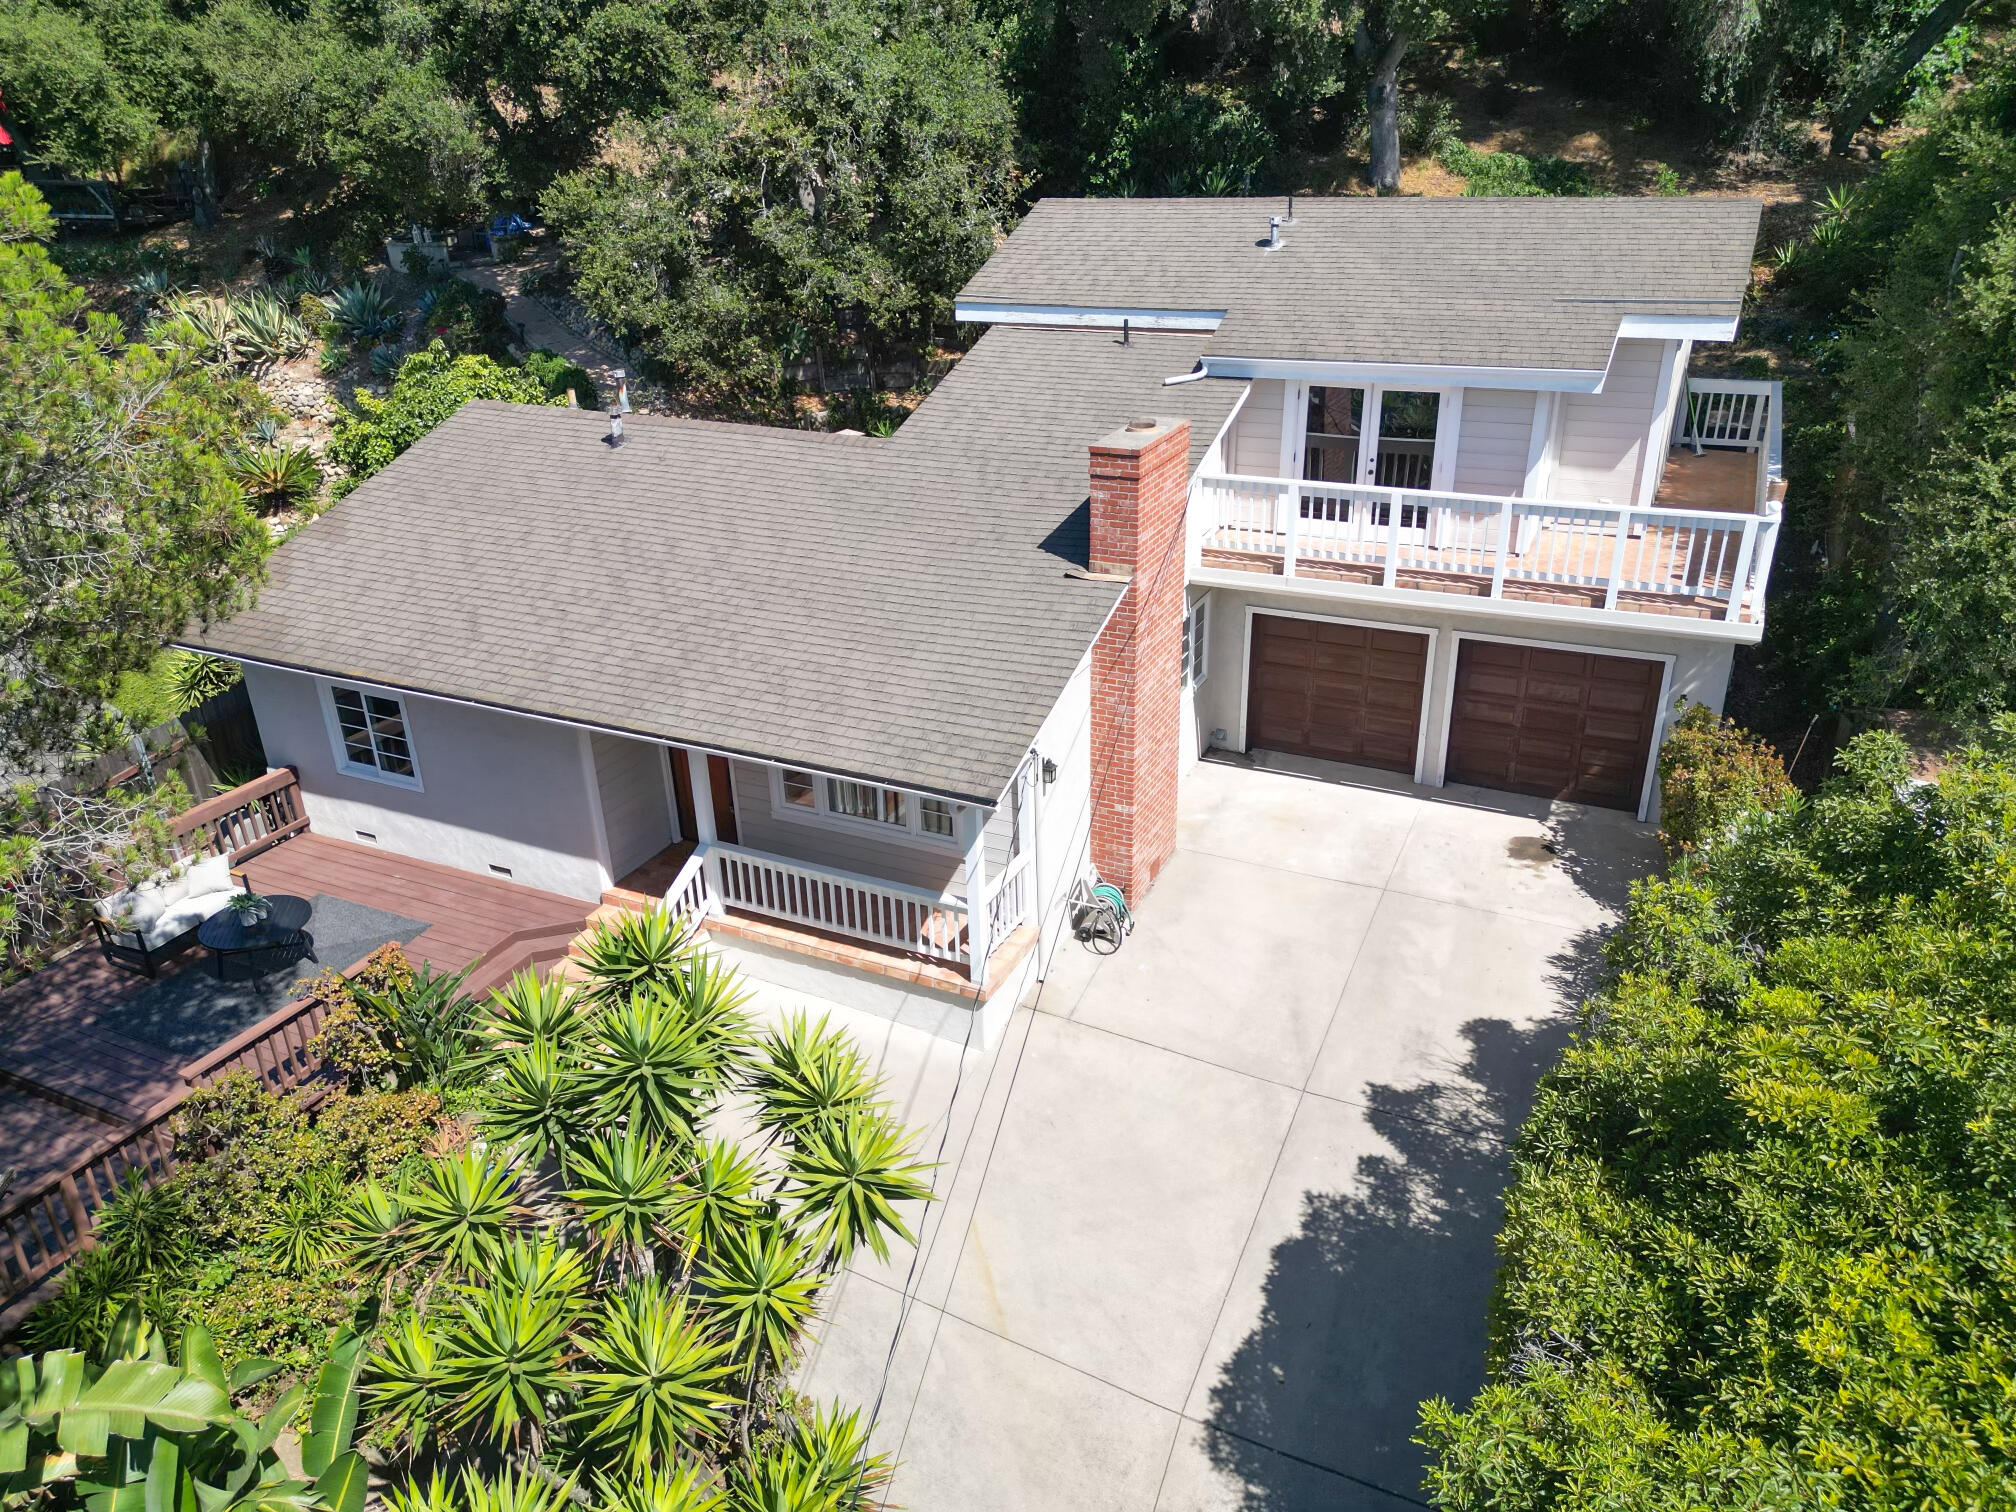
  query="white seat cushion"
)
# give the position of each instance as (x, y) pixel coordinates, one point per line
(142, 910)
(180, 917)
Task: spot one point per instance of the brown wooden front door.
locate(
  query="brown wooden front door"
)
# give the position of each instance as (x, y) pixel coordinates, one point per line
(723, 789)
(1343, 692)
(1555, 724)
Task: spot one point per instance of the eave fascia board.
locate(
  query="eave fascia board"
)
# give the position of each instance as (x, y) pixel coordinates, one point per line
(381, 685)
(1008, 312)
(1428, 375)
(1677, 328)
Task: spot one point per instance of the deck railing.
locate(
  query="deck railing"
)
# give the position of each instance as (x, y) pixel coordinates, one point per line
(1008, 908)
(274, 1051)
(1633, 560)
(1732, 412)
(46, 1225)
(249, 819)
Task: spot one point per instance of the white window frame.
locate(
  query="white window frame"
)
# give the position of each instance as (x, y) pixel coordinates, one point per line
(326, 692)
(823, 815)
(1196, 658)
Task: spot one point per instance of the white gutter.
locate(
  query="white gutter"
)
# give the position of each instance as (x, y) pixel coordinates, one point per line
(1428, 375)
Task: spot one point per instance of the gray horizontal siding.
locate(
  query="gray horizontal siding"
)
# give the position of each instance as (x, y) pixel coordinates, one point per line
(1254, 445)
(1495, 434)
(836, 846)
(1603, 435)
(629, 775)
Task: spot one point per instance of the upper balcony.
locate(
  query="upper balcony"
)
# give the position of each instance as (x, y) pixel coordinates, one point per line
(1701, 551)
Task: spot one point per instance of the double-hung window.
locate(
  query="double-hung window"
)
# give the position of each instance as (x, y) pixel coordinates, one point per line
(1196, 660)
(866, 807)
(372, 735)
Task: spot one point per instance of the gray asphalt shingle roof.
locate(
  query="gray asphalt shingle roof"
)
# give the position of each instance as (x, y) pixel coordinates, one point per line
(1532, 283)
(895, 609)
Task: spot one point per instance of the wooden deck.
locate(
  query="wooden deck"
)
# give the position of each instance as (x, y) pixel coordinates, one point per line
(467, 915)
(1718, 479)
(53, 1043)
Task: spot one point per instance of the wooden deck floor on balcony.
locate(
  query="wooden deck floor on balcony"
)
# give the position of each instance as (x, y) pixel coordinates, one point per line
(1717, 479)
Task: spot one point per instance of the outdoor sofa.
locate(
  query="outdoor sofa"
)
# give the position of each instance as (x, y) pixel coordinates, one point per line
(144, 925)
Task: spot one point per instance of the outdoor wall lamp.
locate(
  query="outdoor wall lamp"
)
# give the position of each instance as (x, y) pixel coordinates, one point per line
(1049, 771)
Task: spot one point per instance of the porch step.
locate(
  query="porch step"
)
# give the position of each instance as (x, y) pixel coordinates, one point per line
(627, 900)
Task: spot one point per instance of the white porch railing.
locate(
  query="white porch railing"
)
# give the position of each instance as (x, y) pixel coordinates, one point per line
(885, 914)
(1008, 908)
(1482, 545)
(1733, 412)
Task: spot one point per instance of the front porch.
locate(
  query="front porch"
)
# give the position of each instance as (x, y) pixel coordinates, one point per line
(877, 880)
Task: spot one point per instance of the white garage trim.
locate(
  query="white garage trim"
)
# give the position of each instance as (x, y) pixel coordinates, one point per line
(1431, 634)
(1658, 719)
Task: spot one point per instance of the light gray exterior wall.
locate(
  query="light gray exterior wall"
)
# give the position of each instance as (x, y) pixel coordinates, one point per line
(1253, 446)
(1600, 447)
(500, 789)
(636, 810)
(1063, 827)
(1494, 438)
(841, 847)
(1700, 671)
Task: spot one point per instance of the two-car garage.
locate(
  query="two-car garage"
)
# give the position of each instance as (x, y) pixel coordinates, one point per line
(1547, 720)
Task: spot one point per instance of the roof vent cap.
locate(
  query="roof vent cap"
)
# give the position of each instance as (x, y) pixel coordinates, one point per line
(1274, 241)
(615, 427)
(1141, 423)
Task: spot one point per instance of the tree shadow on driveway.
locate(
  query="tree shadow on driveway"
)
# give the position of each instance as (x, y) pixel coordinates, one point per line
(1378, 1302)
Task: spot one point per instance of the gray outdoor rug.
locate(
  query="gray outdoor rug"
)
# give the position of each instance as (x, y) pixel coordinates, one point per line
(191, 1012)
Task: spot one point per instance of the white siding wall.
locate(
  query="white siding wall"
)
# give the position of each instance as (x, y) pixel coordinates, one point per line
(1496, 433)
(1063, 809)
(501, 790)
(844, 849)
(1603, 436)
(630, 775)
(1254, 445)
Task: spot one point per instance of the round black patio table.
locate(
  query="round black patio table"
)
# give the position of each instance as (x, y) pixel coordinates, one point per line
(227, 933)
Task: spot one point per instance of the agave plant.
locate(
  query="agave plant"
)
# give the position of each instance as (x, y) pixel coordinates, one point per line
(385, 360)
(302, 1233)
(534, 1010)
(721, 1194)
(655, 1376)
(462, 1208)
(276, 476)
(199, 323)
(364, 312)
(150, 289)
(501, 1360)
(406, 1395)
(270, 250)
(267, 330)
(763, 1284)
(538, 1102)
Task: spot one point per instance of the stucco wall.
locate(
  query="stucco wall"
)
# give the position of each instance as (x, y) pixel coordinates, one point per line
(1495, 435)
(500, 790)
(1700, 667)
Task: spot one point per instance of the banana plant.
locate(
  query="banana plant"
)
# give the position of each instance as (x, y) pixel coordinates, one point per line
(138, 1434)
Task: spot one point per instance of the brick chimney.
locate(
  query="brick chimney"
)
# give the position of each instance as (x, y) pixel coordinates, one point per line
(1140, 480)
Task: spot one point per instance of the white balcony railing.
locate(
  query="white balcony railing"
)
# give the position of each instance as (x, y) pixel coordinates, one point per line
(1704, 563)
(1736, 412)
(884, 914)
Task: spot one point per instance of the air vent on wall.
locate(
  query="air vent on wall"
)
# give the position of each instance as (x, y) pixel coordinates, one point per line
(367, 837)
(502, 871)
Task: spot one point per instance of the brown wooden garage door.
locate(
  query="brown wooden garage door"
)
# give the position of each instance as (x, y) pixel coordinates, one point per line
(1345, 692)
(1556, 724)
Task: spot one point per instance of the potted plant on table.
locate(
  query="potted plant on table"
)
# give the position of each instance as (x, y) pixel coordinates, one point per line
(251, 909)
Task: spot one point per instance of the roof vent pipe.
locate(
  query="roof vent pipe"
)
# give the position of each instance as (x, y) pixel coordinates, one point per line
(615, 427)
(1125, 323)
(1274, 243)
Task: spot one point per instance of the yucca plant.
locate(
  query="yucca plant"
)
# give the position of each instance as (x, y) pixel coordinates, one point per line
(843, 1180)
(501, 1359)
(462, 1208)
(679, 1487)
(539, 1102)
(303, 1232)
(364, 312)
(623, 1185)
(147, 1226)
(429, 1027)
(531, 1010)
(808, 1074)
(635, 950)
(720, 1194)
(276, 476)
(267, 330)
(649, 1069)
(406, 1393)
(762, 1284)
(654, 1378)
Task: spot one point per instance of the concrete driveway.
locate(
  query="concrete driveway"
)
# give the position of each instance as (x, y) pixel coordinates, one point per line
(1218, 1212)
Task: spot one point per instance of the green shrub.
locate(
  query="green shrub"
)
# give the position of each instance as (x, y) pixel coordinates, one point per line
(1510, 174)
(1712, 773)
(432, 385)
(466, 319)
(560, 375)
(352, 1041)
(254, 1308)
(371, 1135)
(1758, 1244)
